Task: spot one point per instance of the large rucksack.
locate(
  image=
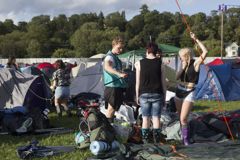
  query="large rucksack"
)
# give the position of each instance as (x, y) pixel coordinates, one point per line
(95, 126)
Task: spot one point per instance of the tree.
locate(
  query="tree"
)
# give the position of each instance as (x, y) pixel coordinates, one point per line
(144, 9)
(38, 35)
(22, 26)
(89, 39)
(101, 20)
(9, 25)
(135, 26)
(214, 47)
(63, 53)
(13, 44)
(34, 49)
(85, 39)
(115, 20)
(74, 23)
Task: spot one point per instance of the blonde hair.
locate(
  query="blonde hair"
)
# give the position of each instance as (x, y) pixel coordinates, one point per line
(117, 40)
(186, 52)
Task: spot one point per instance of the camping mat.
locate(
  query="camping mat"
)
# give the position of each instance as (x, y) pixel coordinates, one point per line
(212, 151)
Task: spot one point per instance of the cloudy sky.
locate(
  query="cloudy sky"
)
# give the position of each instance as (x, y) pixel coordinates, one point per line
(24, 10)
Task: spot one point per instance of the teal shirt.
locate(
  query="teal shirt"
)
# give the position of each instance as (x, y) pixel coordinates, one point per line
(112, 80)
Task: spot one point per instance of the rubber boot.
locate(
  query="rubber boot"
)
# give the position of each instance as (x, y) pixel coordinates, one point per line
(185, 135)
(157, 136)
(145, 135)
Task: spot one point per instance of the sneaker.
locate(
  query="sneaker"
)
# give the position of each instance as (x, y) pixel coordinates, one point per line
(25, 125)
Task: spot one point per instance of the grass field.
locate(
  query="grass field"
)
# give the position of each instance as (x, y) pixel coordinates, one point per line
(8, 144)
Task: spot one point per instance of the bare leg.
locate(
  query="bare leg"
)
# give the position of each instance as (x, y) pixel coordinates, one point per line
(64, 104)
(178, 103)
(57, 105)
(146, 122)
(110, 111)
(186, 108)
(156, 122)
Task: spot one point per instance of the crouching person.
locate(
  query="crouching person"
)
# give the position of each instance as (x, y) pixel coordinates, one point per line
(61, 83)
(150, 91)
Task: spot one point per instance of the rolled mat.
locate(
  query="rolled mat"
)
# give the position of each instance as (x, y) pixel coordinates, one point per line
(98, 147)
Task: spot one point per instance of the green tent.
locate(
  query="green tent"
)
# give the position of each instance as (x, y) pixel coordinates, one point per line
(166, 49)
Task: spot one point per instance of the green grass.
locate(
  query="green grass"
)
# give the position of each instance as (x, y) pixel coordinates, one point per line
(9, 144)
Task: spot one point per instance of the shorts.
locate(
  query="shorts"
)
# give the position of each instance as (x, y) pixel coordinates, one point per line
(113, 96)
(151, 104)
(62, 92)
(189, 97)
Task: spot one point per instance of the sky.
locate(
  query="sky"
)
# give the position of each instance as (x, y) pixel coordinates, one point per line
(24, 10)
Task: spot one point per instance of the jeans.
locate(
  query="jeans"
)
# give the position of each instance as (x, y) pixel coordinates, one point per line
(151, 104)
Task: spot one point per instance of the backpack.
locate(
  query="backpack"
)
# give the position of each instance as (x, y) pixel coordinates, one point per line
(95, 127)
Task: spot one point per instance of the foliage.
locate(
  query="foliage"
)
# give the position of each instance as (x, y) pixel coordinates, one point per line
(62, 52)
(88, 33)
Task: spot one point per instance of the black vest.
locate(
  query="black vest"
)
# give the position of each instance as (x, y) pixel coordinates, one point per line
(190, 75)
(150, 76)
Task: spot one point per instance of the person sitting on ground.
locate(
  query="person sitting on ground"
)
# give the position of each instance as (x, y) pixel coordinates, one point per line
(188, 75)
(61, 83)
(12, 63)
(113, 79)
(150, 91)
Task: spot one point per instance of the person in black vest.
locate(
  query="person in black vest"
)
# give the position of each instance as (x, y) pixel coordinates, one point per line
(150, 91)
(188, 75)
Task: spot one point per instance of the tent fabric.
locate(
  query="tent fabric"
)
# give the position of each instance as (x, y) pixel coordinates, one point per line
(46, 68)
(31, 70)
(166, 49)
(14, 87)
(19, 89)
(45, 65)
(219, 82)
(89, 80)
(215, 62)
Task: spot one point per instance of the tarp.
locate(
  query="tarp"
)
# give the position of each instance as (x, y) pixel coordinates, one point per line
(219, 82)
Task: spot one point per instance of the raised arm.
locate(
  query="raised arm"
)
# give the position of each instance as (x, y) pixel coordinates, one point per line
(202, 57)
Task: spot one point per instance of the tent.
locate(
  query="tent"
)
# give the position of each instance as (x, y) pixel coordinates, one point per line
(18, 89)
(215, 62)
(46, 68)
(34, 71)
(166, 49)
(218, 82)
(89, 80)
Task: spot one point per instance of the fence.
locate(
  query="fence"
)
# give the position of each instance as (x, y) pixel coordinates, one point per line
(170, 61)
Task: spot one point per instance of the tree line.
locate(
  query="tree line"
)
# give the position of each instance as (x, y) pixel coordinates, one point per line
(87, 34)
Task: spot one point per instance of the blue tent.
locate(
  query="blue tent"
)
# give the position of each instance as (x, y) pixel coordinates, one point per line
(220, 82)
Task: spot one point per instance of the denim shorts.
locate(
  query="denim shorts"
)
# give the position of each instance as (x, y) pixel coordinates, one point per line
(62, 92)
(151, 104)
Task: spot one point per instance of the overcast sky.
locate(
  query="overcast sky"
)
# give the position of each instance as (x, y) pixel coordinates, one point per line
(24, 10)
